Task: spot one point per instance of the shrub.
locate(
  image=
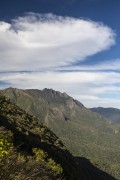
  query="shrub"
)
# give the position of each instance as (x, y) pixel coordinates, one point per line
(41, 155)
(55, 167)
(5, 143)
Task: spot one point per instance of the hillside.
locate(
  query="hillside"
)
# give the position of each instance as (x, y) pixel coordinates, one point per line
(112, 114)
(18, 165)
(30, 151)
(29, 133)
(84, 133)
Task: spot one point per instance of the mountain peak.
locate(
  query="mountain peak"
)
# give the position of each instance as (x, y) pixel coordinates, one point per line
(57, 93)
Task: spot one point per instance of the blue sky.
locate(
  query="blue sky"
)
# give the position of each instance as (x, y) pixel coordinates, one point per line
(72, 46)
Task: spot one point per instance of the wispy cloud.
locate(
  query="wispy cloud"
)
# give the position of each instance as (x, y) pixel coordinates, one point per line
(106, 65)
(36, 41)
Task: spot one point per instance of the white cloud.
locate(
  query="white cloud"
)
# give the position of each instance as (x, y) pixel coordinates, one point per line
(36, 42)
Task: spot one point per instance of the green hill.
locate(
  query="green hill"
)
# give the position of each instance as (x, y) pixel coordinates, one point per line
(30, 151)
(84, 133)
(111, 114)
(29, 133)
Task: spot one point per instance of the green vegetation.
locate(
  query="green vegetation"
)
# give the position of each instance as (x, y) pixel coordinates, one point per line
(17, 166)
(5, 142)
(29, 134)
(84, 133)
(40, 155)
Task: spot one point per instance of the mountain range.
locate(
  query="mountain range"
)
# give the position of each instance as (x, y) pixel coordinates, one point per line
(84, 133)
(111, 114)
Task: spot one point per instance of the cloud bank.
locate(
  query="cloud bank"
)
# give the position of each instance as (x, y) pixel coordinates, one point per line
(36, 41)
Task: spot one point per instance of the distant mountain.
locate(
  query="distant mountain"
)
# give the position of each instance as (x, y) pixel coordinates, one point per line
(84, 132)
(112, 114)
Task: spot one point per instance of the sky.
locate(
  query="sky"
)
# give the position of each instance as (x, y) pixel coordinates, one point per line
(71, 46)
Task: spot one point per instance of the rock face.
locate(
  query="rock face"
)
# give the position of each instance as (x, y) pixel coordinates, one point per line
(112, 114)
(84, 132)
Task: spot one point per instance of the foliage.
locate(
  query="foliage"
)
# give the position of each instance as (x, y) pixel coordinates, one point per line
(18, 166)
(40, 155)
(5, 142)
(24, 168)
(55, 167)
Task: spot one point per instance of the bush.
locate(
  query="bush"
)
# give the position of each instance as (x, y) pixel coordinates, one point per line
(41, 155)
(5, 142)
(55, 167)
